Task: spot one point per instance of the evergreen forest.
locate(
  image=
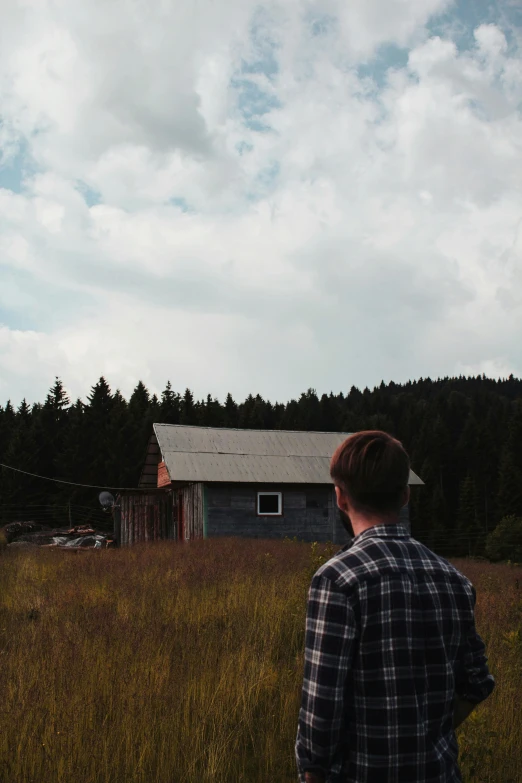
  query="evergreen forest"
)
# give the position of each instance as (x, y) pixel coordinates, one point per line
(463, 434)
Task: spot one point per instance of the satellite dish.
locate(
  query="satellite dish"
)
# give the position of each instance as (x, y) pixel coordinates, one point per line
(106, 499)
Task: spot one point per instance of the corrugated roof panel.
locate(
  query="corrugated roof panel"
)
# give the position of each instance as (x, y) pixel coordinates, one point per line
(248, 468)
(254, 456)
(260, 442)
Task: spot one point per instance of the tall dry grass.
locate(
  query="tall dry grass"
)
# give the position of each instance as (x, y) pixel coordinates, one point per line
(174, 663)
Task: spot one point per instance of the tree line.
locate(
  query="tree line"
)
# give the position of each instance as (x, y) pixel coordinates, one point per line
(463, 434)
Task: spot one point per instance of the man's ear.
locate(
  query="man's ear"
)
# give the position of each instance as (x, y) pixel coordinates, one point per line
(407, 495)
(342, 500)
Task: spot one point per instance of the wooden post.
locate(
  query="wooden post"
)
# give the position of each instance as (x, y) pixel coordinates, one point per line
(116, 518)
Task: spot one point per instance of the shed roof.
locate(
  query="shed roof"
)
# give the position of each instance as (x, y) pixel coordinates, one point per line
(194, 454)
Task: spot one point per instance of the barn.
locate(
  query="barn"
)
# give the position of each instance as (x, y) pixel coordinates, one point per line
(201, 482)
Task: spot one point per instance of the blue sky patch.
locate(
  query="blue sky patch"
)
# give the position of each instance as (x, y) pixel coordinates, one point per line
(265, 182)
(179, 202)
(90, 196)
(322, 24)
(14, 171)
(462, 18)
(388, 56)
(264, 47)
(243, 147)
(12, 175)
(252, 101)
(267, 177)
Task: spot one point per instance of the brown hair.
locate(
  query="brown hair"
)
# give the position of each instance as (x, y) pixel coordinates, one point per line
(372, 468)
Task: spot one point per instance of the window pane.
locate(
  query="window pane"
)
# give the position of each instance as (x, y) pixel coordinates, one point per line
(269, 504)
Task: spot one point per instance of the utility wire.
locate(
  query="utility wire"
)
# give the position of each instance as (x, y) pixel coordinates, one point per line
(70, 483)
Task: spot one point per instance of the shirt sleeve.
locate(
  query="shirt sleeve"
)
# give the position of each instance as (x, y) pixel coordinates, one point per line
(330, 634)
(474, 683)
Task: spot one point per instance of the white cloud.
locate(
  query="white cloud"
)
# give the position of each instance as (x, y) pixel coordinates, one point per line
(367, 233)
(492, 43)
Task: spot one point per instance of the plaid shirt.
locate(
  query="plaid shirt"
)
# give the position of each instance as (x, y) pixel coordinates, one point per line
(390, 640)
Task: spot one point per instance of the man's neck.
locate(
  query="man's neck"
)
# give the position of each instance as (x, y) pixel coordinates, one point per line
(360, 523)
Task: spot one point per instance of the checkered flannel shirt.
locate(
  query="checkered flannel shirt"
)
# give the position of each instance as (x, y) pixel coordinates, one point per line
(390, 641)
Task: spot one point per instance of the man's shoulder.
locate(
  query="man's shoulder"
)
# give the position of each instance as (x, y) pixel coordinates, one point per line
(372, 558)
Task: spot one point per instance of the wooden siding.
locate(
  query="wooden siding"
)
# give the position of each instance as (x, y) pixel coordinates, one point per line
(149, 473)
(146, 517)
(163, 475)
(309, 513)
(191, 510)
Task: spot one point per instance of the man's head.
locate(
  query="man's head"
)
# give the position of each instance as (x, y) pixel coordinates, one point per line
(370, 471)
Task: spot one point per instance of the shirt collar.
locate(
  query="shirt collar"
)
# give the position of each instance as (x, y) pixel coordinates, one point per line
(387, 530)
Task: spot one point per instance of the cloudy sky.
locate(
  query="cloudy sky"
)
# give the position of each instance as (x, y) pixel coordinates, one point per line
(257, 197)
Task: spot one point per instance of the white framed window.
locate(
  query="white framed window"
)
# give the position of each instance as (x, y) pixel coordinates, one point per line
(269, 504)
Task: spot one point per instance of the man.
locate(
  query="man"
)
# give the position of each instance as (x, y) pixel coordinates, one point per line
(393, 663)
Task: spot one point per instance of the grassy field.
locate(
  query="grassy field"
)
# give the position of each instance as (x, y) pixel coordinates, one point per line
(183, 664)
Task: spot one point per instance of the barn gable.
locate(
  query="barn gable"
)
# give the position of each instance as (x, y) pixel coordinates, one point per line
(149, 471)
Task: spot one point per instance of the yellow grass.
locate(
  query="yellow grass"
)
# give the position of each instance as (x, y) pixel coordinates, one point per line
(175, 663)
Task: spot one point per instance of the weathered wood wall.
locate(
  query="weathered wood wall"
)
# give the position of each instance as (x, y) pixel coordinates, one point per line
(191, 500)
(309, 513)
(146, 516)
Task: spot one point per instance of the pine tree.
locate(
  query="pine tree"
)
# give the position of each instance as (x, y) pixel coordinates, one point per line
(258, 421)
(510, 479)
(329, 414)
(291, 420)
(278, 415)
(24, 412)
(354, 399)
(50, 422)
(468, 529)
(404, 425)
(139, 401)
(120, 435)
(97, 435)
(57, 399)
(188, 408)
(310, 411)
(457, 413)
(212, 414)
(170, 404)
(19, 490)
(71, 463)
(428, 511)
(99, 401)
(352, 422)
(380, 421)
(137, 431)
(231, 416)
(441, 537)
(467, 447)
(269, 415)
(251, 413)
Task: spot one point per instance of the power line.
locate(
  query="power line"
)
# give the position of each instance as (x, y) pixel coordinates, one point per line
(70, 483)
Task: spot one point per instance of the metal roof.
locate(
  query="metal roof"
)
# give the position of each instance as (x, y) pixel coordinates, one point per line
(254, 456)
